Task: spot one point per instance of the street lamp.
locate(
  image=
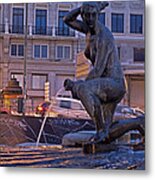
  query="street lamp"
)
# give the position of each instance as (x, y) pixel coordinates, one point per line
(25, 59)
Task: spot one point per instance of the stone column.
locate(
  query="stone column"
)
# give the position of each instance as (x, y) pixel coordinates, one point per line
(76, 34)
(53, 31)
(30, 30)
(52, 77)
(6, 26)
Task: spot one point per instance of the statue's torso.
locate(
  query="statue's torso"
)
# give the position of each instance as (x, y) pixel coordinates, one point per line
(91, 49)
(113, 67)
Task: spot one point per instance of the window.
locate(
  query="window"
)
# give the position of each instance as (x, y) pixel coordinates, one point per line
(37, 51)
(40, 51)
(66, 52)
(17, 50)
(102, 18)
(63, 29)
(136, 23)
(41, 21)
(18, 20)
(38, 81)
(20, 50)
(59, 52)
(118, 23)
(139, 54)
(44, 51)
(13, 50)
(63, 52)
(19, 78)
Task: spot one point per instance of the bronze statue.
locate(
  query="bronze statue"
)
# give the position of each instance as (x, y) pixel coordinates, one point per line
(104, 87)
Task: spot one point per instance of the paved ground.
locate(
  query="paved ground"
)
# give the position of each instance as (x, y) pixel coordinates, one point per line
(59, 157)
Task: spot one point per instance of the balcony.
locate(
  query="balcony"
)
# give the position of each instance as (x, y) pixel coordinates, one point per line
(2, 28)
(64, 32)
(42, 30)
(34, 30)
(16, 29)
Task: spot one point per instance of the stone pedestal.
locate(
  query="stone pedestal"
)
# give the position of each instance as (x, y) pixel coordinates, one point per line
(83, 139)
(93, 148)
(77, 138)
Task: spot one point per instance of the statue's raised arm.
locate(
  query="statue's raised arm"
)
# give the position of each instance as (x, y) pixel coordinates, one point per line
(71, 20)
(102, 5)
(82, 26)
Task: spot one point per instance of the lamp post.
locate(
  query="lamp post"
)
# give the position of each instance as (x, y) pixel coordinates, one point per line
(25, 59)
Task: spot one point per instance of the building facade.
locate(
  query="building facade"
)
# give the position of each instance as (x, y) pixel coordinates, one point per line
(52, 47)
(126, 21)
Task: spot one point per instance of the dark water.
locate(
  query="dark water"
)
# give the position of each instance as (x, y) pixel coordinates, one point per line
(56, 156)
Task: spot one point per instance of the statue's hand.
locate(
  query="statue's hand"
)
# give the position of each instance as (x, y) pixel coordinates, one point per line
(103, 5)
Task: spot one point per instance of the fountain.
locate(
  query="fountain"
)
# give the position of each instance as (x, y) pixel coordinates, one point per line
(61, 92)
(43, 124)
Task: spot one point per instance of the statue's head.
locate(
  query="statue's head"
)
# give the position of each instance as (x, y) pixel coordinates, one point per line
(90, 12)
(68, 84)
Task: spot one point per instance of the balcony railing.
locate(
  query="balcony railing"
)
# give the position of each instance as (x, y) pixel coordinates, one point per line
(64, 32)
(16, 29)
(2, 28)
(42, 30)
(35, 30)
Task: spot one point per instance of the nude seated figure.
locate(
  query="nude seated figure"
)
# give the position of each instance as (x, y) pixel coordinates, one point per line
(104, 86)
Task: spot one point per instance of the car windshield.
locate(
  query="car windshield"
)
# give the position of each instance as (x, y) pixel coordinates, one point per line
(65, 104)
(77, 106)
(45, 104)
(61, 103)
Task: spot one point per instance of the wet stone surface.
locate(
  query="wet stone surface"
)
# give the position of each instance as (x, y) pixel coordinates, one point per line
(14, 130)
(59, 157)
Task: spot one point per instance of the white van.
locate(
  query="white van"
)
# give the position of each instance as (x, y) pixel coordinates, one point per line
(67, 107)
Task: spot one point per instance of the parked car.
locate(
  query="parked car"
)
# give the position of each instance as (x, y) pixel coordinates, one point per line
(72, 108)
(62, 107)
(126, 112)
(42, 108)
(67, 107)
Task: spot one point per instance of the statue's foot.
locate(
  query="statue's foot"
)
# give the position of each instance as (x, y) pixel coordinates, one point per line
(99, 137)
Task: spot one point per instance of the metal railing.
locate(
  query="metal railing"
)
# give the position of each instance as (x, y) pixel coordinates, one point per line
(2, 28)
(35, 30)
(64, 32)
(42, 30)
(16, 29)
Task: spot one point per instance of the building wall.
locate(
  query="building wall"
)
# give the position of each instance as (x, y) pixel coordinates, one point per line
(57, 70)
